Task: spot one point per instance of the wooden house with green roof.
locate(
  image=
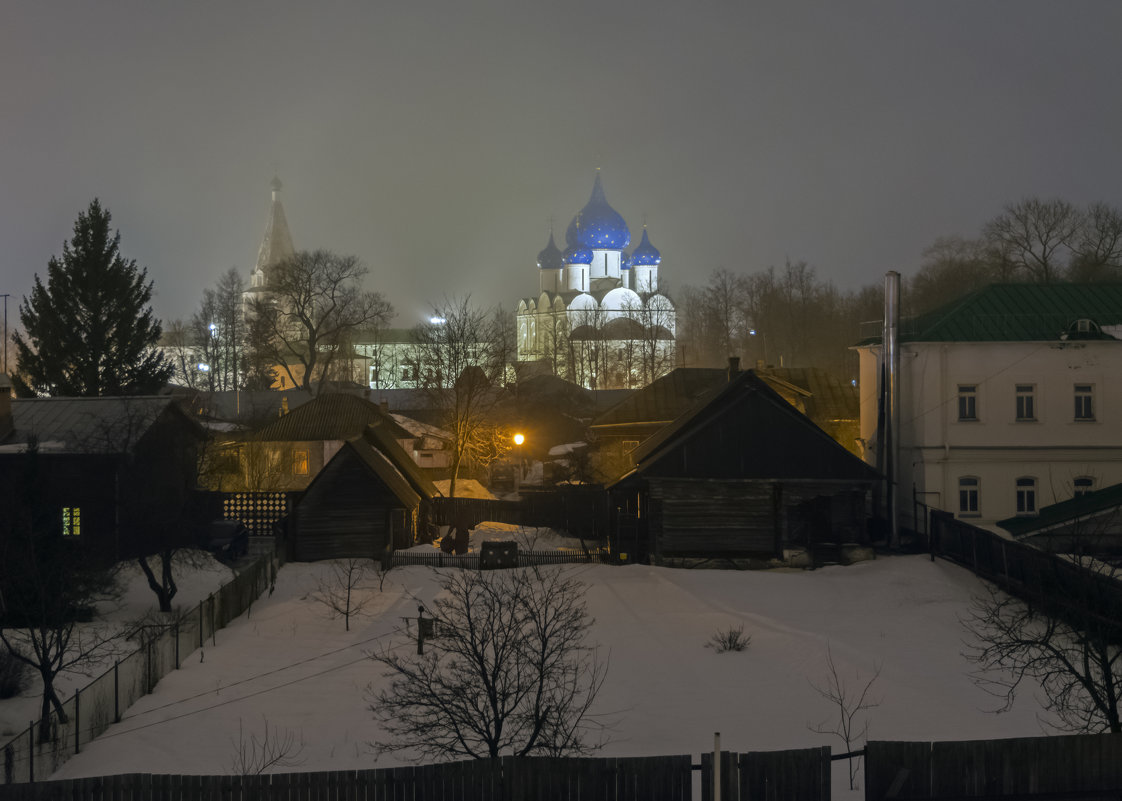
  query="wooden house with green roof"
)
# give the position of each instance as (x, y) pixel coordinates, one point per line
(1010, 399)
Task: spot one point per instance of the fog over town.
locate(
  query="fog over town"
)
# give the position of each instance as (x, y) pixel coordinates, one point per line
(437, 143)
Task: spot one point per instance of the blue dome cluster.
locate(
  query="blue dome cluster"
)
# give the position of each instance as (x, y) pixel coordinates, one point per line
(598, 225)
(550, 258)
(625, 261)
(578, 255)
(646, 254)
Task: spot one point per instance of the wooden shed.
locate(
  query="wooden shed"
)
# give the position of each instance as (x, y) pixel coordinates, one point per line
(365, 502)
(742, 474)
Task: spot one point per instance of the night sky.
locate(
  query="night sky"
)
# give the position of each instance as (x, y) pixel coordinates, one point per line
(436, 140)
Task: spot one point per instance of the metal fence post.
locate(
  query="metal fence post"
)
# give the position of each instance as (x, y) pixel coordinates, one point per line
(77, 720)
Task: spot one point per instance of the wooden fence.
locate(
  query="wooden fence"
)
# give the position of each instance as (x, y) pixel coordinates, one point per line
(1056, 584)
(470, 561)
(93, 708)
(802, 774)
(1076, 766)
(758, 776)
(580, 511)
(666, 778)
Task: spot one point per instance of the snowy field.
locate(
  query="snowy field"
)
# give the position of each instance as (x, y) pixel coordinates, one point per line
(289, 664)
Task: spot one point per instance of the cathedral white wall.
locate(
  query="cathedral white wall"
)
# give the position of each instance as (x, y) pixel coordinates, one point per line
(575, 278)
(606, 263)
(646, 278)
(549, 280)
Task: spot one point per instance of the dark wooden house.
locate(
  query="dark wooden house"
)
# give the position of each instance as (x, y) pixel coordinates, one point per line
(741, 475)
(830, 403)
(365, 502)
(114, 476)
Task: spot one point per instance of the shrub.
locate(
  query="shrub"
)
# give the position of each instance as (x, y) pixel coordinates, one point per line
(731, 639)
(13, 675)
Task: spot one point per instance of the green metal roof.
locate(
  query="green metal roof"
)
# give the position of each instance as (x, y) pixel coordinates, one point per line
(1072, 509)
(1017, 313)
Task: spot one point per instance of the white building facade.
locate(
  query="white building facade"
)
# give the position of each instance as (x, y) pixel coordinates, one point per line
(1009, 400)
(599, 318)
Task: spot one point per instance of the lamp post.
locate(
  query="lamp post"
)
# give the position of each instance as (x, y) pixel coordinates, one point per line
(518, 440)
(5, 297)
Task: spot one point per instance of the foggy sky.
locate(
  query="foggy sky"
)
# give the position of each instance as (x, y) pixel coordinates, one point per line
(436, 140)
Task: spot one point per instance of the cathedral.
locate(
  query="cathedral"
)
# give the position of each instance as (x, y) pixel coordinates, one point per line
(599, 320)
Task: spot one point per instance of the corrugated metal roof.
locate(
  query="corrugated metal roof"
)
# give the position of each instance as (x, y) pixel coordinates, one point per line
(333, 416)
(84, 425)
(825, 397)
(1067, 511)
(1017, 313)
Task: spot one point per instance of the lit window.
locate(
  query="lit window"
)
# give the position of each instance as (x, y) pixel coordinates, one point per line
(71, 521)
(1084, 485)
(1026, 496)
(967, 402)
(968, 496)
(1084, 402)
(300, 463)
(1026, 405)
(629, 445)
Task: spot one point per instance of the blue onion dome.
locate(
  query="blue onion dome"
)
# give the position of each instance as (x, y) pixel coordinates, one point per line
(646, 254)
(625, 261)
(550, 258)
(598, 225)
(578, 255)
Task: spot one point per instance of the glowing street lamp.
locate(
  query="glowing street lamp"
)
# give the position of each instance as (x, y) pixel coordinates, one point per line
(518, 440)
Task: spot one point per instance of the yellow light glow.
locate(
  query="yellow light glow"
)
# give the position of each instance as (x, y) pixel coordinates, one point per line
(519, 439)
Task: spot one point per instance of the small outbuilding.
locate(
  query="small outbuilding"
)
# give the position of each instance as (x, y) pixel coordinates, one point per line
(741, 475)
(365, 502)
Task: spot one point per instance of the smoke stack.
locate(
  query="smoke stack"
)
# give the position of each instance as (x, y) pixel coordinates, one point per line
(892, 401)
(734, 367)
(6, 422)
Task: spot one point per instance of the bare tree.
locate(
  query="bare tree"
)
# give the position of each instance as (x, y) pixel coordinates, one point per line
(849, 701)
(509, 672)
(461, 360)
(1098, 245)
(1073, 653)
(1036, 236)
(343, 591)
(218, 334)
(310, 313)
(273, 748)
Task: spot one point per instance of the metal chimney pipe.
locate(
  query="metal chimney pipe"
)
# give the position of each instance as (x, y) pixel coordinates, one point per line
(892, 398)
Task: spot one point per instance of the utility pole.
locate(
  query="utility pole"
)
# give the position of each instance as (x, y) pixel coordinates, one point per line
(5, 297)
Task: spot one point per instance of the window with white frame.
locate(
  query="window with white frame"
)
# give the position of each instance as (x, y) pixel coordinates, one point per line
(1026, 496)
(1084, 402)
(967, 401)
(968, 496)
(1026, 402)
(1083, 485)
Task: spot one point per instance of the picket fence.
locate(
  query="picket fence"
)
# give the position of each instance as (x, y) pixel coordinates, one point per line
(35, 754)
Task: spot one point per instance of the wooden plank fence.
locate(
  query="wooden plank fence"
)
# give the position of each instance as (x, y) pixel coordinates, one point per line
(470, 561)
(580, 511)
(664, 778)
(802, 774)
(1053, 583)
(1073, 766)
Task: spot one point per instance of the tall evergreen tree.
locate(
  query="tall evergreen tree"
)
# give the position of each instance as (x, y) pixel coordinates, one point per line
(90, 331)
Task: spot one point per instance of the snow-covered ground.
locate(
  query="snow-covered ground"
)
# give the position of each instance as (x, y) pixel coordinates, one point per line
(290, 665)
